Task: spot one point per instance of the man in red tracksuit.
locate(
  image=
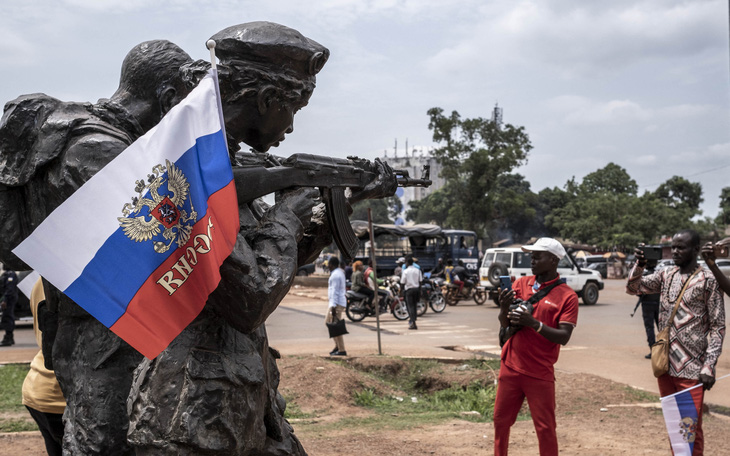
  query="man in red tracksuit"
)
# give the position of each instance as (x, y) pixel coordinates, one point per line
(532, 347)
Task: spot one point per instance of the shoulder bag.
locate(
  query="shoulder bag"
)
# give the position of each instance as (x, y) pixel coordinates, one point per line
(660, 349)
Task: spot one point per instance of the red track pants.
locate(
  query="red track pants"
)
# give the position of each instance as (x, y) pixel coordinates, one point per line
(670, 385)
(512, 389)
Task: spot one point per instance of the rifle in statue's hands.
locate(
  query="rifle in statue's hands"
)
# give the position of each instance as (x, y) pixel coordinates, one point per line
(365, 179)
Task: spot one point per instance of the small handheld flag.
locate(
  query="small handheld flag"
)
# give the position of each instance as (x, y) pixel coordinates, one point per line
(681, 414)
(139, 246)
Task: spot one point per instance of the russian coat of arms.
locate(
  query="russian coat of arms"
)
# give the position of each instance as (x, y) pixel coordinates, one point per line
(688, 429)
(159, 207)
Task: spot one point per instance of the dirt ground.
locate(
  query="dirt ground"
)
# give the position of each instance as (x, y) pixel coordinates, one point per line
(595, 416)
(625, 428)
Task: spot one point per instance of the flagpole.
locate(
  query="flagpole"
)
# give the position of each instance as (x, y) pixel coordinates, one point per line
(211, 46)
(691, 388)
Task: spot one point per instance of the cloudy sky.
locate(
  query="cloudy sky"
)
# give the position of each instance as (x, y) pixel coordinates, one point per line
(642, 83)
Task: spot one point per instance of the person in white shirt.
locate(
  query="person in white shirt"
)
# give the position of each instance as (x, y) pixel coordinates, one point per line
(411, 278)
(337, 302)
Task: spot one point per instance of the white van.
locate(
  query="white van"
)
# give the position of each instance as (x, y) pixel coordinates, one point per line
(512, 261)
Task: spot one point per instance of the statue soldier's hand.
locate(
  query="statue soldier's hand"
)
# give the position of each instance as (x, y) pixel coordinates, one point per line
(300, 201)
(384, 185)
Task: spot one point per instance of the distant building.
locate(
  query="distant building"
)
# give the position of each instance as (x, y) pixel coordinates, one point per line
(413, 163)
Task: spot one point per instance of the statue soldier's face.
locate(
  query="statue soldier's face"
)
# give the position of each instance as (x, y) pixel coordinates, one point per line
(262, 121)
(277, 121)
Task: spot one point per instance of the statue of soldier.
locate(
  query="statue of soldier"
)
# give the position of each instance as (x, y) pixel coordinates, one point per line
(214, 389)
(48, 149)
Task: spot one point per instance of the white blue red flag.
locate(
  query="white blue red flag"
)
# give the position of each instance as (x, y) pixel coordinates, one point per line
(139, 246)
(680, 416)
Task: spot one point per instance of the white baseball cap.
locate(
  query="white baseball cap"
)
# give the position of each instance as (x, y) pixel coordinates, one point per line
(546, 245)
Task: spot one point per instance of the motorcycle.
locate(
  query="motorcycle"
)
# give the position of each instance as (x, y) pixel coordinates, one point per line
(399, 308)
(432, 294)
(388, 301)
(471, 290)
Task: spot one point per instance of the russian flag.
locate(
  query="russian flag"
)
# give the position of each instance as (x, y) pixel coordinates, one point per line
(680, 416)
(139, 246)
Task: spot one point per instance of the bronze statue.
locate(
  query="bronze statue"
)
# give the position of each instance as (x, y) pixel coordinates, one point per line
(48, 149)
(214, 389)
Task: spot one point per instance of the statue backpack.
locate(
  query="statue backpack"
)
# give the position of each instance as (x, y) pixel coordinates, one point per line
(31, 135)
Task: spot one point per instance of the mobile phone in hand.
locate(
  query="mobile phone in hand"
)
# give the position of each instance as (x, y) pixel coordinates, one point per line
(505, 283)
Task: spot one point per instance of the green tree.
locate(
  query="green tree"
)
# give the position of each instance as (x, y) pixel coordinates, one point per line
(515, 207)
(605, 210)
(383, 210)
(681, 195)
(473, 154)
(436, 208)
(549, 200)
(723, 218)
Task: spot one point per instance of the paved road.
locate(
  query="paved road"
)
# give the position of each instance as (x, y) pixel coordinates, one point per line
(607, 342)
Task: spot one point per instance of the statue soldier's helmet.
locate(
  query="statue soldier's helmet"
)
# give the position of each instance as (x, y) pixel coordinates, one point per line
(272, 46)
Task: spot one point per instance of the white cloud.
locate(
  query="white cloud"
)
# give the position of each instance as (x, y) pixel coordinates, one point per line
(644, 160)
(578, 39)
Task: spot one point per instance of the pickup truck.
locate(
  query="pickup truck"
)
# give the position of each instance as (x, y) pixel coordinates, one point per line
(512, 261)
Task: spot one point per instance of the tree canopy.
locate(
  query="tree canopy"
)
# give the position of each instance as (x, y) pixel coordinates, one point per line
(474, 154)
(483, 193)
(382, 210)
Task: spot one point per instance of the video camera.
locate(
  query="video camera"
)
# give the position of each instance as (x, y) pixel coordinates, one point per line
(525, 306)
(651, 252)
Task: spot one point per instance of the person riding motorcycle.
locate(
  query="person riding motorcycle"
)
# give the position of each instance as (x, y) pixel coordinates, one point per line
(449, 270)
(459, 275)
(359, 285)
(438, 270)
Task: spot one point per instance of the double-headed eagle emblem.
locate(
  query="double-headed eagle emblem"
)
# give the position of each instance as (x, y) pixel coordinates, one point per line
(164, 211)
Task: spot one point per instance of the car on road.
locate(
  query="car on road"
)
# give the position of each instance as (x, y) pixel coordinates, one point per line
(601, 267)
(306, 270)
(512, 261)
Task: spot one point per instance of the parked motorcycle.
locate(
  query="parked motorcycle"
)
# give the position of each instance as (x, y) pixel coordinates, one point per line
(471, 290)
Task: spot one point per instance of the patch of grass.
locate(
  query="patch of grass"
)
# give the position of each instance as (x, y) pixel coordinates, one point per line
(720, 409)
(11, 384)
(640, 395)
(393, 421)
(446, 403)
(474, 397)
(489, 365)
(17, 425)
(294, 412)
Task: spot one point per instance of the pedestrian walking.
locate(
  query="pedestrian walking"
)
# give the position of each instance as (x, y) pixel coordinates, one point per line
(337, 302)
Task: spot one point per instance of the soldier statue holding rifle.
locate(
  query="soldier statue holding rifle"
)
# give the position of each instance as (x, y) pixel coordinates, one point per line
(214, 389)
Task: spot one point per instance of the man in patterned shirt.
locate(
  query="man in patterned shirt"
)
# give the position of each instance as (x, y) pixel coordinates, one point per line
(698, 329)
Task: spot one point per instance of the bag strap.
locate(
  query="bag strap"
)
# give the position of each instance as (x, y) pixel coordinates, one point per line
(543, 292)
(681, 293)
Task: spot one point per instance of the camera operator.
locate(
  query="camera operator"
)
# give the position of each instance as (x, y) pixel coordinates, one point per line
(532, 345)
(697, 331)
